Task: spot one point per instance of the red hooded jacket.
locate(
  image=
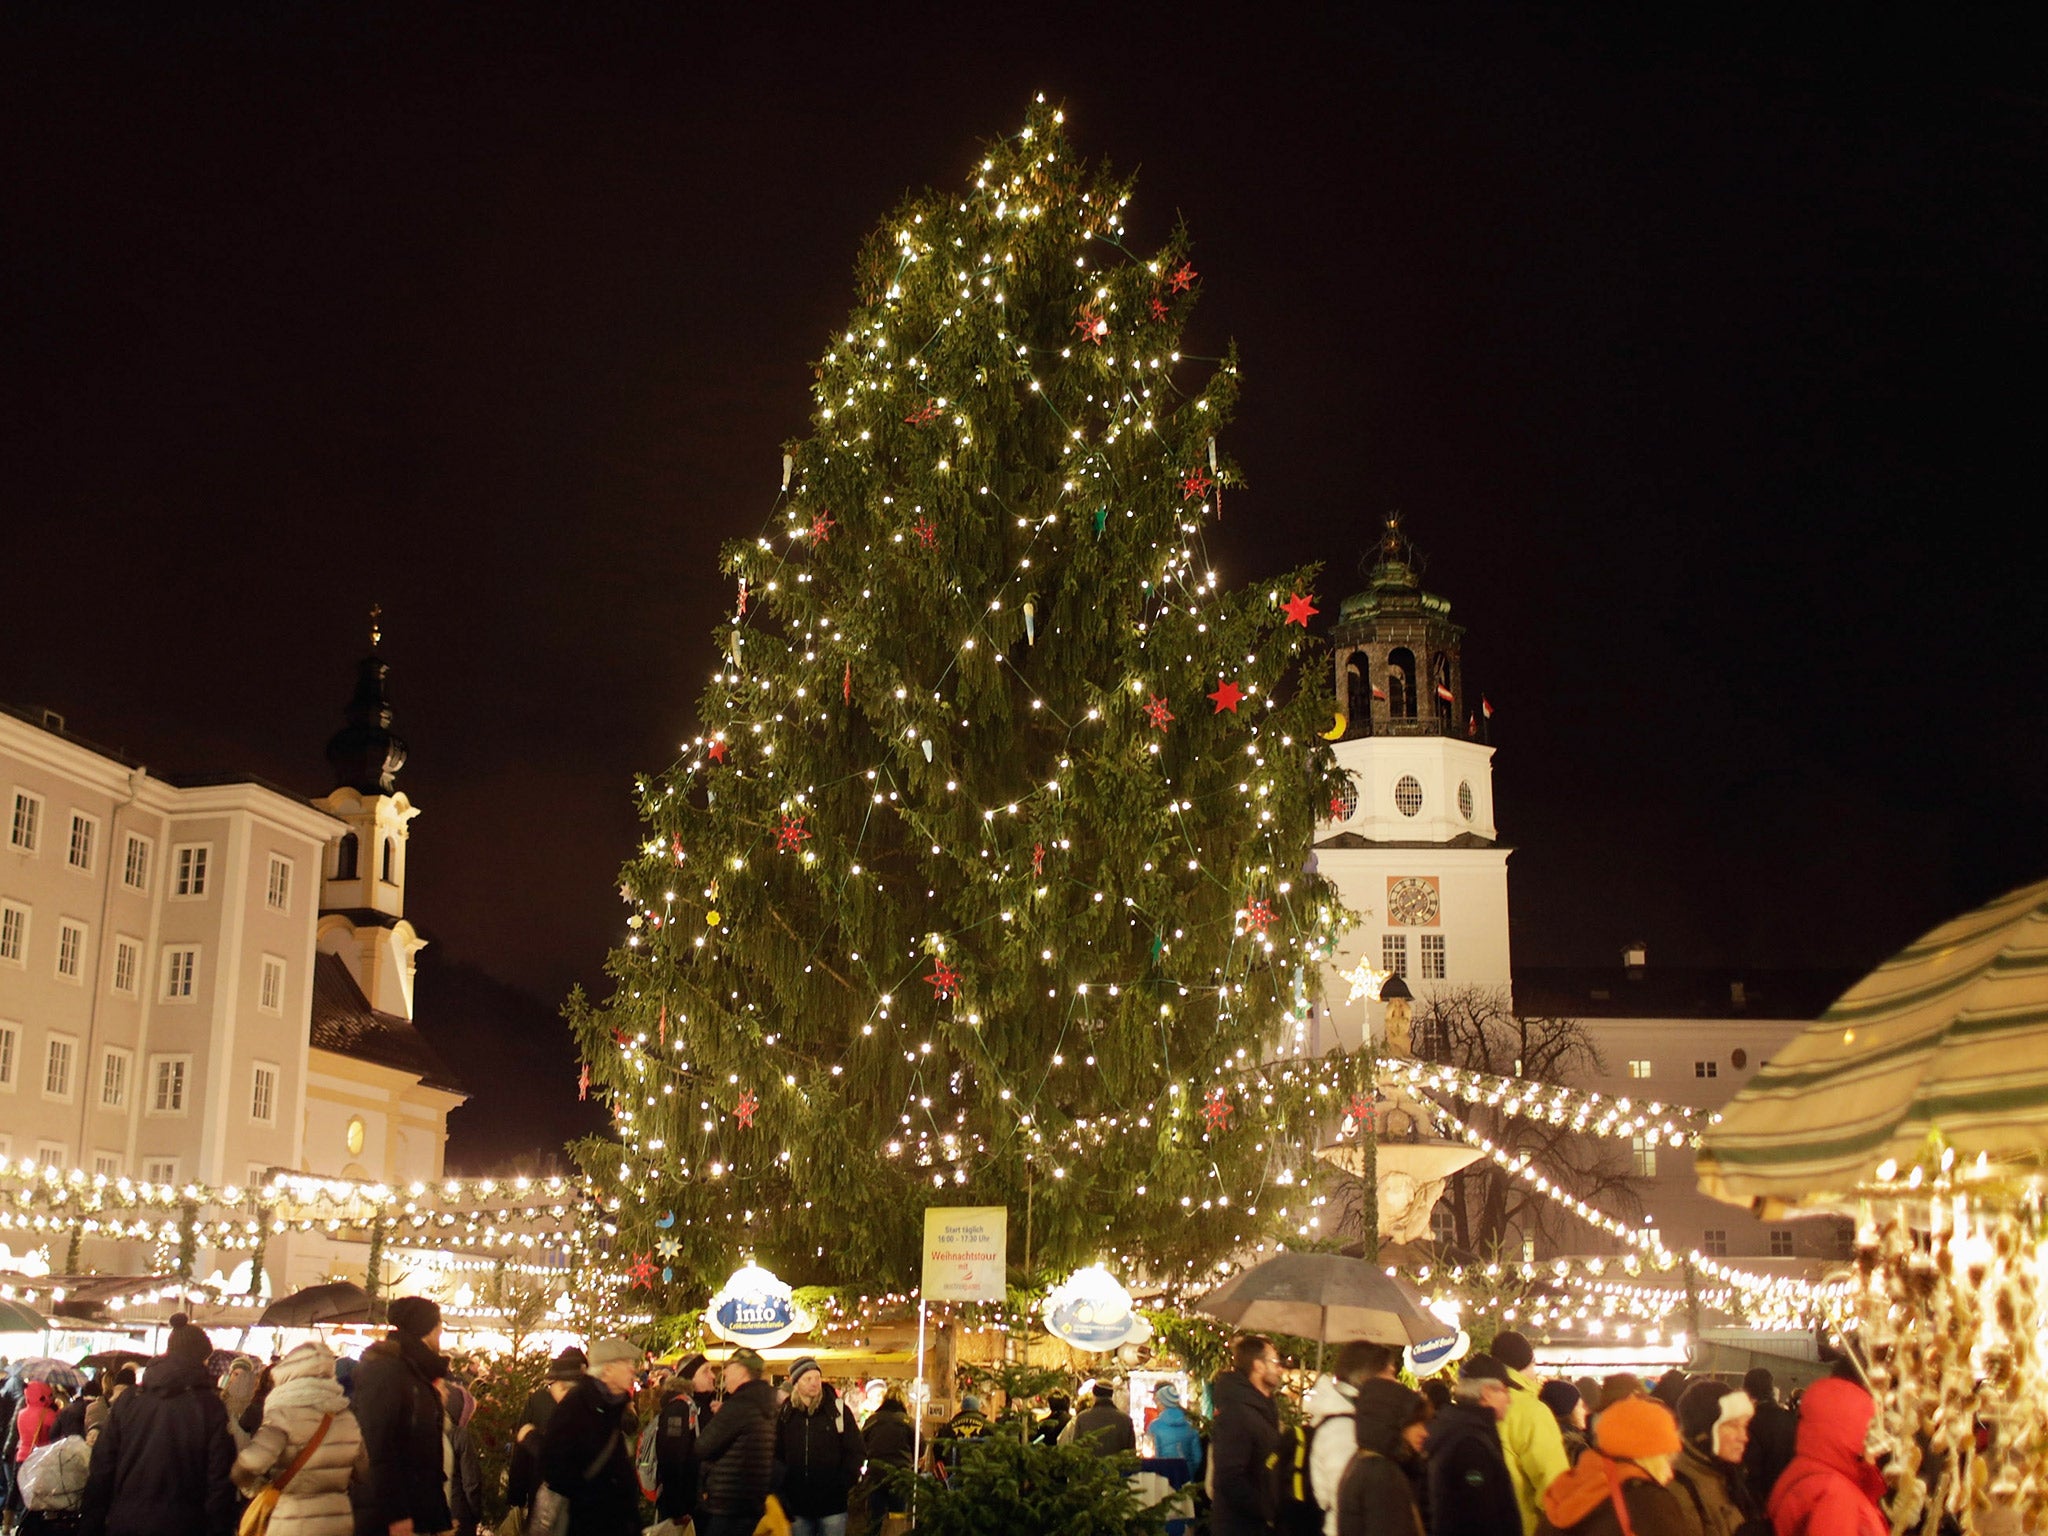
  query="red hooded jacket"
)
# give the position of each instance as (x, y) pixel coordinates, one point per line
(37, 1419)
(1829, 1489)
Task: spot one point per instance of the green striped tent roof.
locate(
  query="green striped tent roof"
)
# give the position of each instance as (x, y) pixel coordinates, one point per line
(1949, 1035)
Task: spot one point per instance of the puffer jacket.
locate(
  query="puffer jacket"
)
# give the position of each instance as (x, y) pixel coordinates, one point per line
(35, 1426)
(161, 1467)
(400, 1415)
(1829, 1489)
(736, 1449)
(1582, 1502)
(1174, 1434)
(1374, 1496)
(302, 1391)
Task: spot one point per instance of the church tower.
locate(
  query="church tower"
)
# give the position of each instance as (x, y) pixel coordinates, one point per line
(1412, 844)
(362, 898)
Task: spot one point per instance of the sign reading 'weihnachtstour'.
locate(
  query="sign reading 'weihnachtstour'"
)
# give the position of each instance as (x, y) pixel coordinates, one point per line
(965, 1252)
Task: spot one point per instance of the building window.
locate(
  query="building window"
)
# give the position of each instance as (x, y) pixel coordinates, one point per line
(1706, 1069)
(168, 1096)
(84, 835)
(127, 961)
(345, 857)
(1432, 957)
(1638, 1068)
(70, 948)
(180, 967)
(277, 894)
(270, 995)
(1643, 1155)
(1465, 803)
(390, 861)
(1394, 953)
(10, 1043)
(57, 1067)
(1443, 1224)
(106, 1165)
(13, 933)
(1408, 794)
(1714, 1243)
(188, 869)
(53, 1154)
(135, 863)
(114, 1078)
(160, 1170)
(263, 1095)
(25, 832)
(1781, 1242)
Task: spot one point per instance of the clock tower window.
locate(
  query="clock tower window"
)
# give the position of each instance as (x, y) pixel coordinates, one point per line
(1401, 683)
(1394, 953)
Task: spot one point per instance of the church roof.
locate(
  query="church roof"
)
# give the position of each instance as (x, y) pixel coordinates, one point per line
(1675, 992)
(345, 1023)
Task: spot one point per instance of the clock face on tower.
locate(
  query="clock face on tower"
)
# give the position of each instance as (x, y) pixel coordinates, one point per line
(1412, 901)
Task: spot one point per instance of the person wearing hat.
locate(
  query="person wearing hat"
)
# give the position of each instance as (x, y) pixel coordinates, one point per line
(1471, 1492)
(818, 1453)
(1569, 1409)
(1332, 1437)
(1773, 1433)
(1374, 1496)
(1621, 1486)
(399, 1412)
(583, 1452)
(1174, 1433)
(1529, 1435)
(164, 1457)
(682, 1411)
(1831, 1487)
(523, 1479)
(1103, 1427)
(737, 1450)
(1714, 1423)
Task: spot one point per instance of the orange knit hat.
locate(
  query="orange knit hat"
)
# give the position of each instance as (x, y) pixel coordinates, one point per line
(1639, 1427)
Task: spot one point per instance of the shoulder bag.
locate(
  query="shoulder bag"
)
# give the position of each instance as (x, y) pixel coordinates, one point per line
(551, 1507)
(256, 1518)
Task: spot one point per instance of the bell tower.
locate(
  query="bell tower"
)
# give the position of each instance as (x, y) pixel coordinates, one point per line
(1412, 844)
(362, 897)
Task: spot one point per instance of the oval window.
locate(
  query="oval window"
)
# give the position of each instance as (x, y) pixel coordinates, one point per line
(354, 1136)
(1408, 794)
(1465, 801)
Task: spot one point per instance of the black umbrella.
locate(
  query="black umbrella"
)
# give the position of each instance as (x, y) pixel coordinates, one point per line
(340, 1301)
(113, 1360)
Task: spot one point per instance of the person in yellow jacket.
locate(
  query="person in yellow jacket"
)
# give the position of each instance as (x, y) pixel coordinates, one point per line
(1529, 1436)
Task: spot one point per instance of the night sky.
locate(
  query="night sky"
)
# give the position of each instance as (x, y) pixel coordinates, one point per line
(1705, 366)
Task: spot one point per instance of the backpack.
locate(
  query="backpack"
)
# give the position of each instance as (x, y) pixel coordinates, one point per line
(1299, 1513)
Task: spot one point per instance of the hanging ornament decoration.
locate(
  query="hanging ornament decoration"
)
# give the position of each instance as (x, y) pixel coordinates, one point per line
(1091, 324)
(712, 917)
(1183, 278)
(1159, 310)
(1101, 520)
(717, 750)
(1030, 622)
(1357, 1109)
(822, 526)
(1217, 1110)
(642, 1271)
(1258, 915)
(1226, 696)
(749, 1105)
(661, 1030)
(743, 597)
(791, 833)
(1301, 609)
(927, 532)
(945, 981)
(928, 748)
(1158, 713)
(1338, 727)
(846, 684)
(668, 1248)
(665, 1220)
(927, 412)
(583, 1081)
(1194, 485)
(1038, 858)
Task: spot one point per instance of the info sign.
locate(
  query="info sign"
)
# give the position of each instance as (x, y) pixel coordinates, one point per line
(965, 1252)
(756, 1309)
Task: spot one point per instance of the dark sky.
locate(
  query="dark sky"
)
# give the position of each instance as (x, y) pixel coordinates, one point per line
(1705, 364)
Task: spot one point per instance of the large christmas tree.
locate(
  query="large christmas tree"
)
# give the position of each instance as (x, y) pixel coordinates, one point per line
(984, 883)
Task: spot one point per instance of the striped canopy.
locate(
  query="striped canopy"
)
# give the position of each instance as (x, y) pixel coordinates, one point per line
(1949, 1035)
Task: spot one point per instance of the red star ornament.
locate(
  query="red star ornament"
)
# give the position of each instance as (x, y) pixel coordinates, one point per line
(1158, 307)
(1300, 610)
(1194, 485)
(642, 1272)
(927, 532)
(945, 981)
(716, 751)
(1158, 713)
(1357, 1109)
(821, 528)
(1183, 278)
(1337, 808)
(1258, 915)
(1217, 1110)
(1091, 324)
(1226, 696)
(927, 412)
(791, 834)
(745, 1110)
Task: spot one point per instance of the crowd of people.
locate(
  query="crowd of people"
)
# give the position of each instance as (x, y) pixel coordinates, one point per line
(609, 1443)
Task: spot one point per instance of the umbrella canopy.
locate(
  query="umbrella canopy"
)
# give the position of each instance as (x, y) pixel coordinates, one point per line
(16, 1318)
(341, 1301)
(56, 1372)
(1325, 1296)
(1950, 1035)
(113, 1360)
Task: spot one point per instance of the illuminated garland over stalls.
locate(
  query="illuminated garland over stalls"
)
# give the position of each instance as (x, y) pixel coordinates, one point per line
(995, 825)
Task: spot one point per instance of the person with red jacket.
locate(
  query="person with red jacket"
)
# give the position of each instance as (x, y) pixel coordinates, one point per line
(34, 1426)
(1830, 1487)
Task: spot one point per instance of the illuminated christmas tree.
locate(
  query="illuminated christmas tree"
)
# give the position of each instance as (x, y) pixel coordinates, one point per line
(984, 883)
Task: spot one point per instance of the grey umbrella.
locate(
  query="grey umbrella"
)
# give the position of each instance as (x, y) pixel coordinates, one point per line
(17, 1318)
(1326, 1297)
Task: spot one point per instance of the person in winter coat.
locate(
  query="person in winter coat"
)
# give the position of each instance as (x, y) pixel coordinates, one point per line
(117, 1383)
(1569, 1409)
(1470, 1490)
(1773, 1435)
(252, 1415)
(1621, 1484)
(399, 1411)
(304, 1392)
(1244, 1441)
(890, 1441)
(681, 1414)
(1708, 1476)
(819, 1453)
(1374, 1497)
(462, 1472)
(1830, 1488)
(583, 1451)
(237, 1392)
(1174, 1433)
(1105, 1428)
(1058, 1417)
(1529, 1435)
(737, 1450)
(522, 1480)
(1331, 1450)
(163, 1462)
(35, 1426)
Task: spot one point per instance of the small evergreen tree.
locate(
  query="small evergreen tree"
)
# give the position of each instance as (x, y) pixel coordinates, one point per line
(983, 881)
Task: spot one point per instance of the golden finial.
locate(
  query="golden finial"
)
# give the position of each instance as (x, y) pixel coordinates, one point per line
(376, 625)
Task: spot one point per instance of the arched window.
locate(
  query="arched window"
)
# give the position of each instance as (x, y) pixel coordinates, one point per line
(1357, 695)
(390, 861)
(1401, 684)
(345, 857)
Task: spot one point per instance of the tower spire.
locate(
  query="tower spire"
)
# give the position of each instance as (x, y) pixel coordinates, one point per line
(366, 754)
